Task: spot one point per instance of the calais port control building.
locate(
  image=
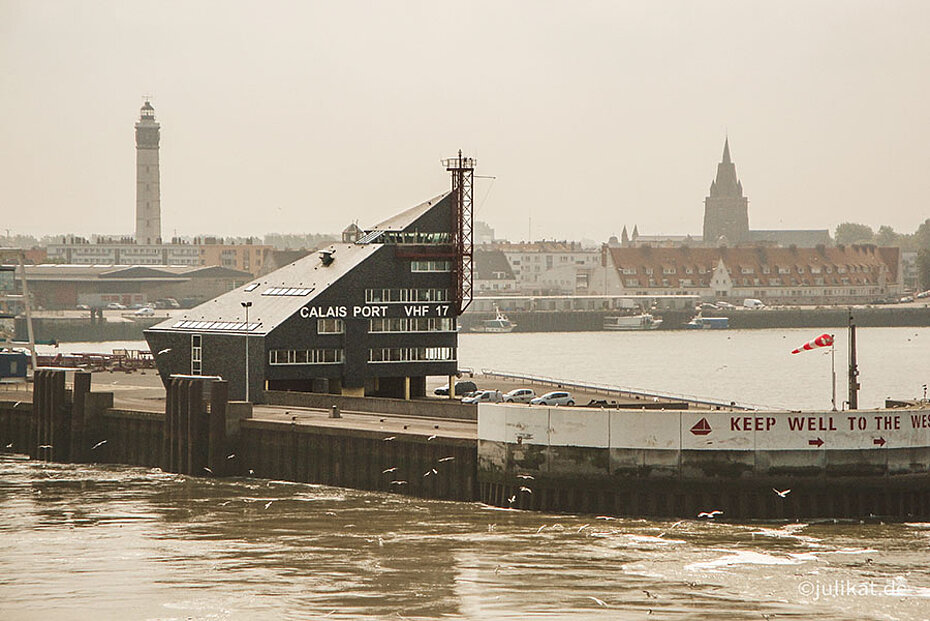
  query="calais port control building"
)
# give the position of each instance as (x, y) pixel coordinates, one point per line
(370, 316)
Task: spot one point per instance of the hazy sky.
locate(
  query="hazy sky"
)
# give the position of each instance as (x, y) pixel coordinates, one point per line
(305, 116)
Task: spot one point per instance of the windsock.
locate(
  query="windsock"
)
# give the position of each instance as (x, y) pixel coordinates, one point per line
(824, 340)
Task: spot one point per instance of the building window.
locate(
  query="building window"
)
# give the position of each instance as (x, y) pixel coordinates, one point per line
(289, 291)
(330, 326)
(196, 354)
(406, 295)
(431, 266)
(415, 324)
(280, 357)
(411, 354)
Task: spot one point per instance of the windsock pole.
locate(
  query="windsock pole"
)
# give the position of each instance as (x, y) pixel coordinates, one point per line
(853, 367)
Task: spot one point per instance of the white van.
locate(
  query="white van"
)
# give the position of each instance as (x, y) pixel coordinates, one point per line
(753, 303)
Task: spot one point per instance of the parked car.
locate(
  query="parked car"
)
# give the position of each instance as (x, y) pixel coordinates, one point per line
(167, 303)
(923, 294)
(484, 396)
(707, 306)
(556, 397)
(462, 387)
(753, 303)
(82, 307)
(726, 305)
(115, 306)
(906, 299)
(520, 395)
(145, 311)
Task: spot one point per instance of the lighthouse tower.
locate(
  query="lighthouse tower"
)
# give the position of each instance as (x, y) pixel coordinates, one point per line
(148, 194)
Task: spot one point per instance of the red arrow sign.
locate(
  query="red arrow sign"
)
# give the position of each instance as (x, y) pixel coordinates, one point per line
(879, 441)
(818, 442)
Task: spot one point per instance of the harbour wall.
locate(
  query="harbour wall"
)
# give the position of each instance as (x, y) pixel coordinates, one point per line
(433, 408)
(673, 464)
(203, 434)
(856, 464)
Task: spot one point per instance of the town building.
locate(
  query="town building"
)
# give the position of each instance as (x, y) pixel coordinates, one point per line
(549, 267)
(61, 286)
(374, 316)
(813, 276)
(201, 252)
(493, 275)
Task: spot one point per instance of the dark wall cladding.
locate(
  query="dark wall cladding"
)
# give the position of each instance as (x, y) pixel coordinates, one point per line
(666, 483)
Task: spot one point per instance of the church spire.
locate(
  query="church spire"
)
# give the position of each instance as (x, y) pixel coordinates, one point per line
(726, 150)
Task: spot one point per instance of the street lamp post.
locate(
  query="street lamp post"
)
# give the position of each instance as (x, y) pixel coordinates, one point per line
(246, 306)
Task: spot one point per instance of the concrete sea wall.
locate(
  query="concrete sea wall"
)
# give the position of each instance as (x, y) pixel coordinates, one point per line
(663, 463)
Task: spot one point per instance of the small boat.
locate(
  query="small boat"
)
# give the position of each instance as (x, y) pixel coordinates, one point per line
(708, 323)
(499, 325)
(643, 321)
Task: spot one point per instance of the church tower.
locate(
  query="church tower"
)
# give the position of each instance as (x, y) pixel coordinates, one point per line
(726, 210)
(148, 194)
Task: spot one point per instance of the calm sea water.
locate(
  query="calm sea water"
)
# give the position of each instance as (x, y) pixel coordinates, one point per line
(111, 542)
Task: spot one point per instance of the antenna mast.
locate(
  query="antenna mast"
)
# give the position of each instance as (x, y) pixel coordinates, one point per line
(463, 185)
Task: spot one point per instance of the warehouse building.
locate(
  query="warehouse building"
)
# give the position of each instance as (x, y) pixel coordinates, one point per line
(371, 316)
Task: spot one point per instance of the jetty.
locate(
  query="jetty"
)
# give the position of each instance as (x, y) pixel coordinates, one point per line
(615, 460)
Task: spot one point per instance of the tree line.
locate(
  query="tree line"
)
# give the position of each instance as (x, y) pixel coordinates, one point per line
(918, 241)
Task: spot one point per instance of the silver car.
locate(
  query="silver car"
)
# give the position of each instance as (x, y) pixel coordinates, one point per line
(556, 397)
(519, 395)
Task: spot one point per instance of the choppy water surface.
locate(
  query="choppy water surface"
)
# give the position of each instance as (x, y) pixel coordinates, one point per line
(129, 543)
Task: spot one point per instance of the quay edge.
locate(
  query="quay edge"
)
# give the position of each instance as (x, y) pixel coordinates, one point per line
(865, 464)
(679, 464)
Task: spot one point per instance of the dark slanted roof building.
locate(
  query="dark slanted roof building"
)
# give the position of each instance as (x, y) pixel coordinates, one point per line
(374, 316)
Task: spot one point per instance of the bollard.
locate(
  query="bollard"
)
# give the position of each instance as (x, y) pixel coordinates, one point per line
(335, 412)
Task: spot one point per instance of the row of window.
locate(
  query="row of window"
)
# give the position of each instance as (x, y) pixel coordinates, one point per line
(406, 295)
(305, 356)
(411, 324)
(430, 266)
(411, 354)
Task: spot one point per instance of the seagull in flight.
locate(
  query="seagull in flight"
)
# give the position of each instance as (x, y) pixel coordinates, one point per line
(512, 499)
(433, 437)
(710, 514)
(230, 456)
(398, 482)
(597, 601)
(208, 470)
(446, 459)
(164, 351)
(782, 493)
(523, 488)
(394, 469)
(524, 476)
(98, 445)
(389, 438)
(268, 504)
